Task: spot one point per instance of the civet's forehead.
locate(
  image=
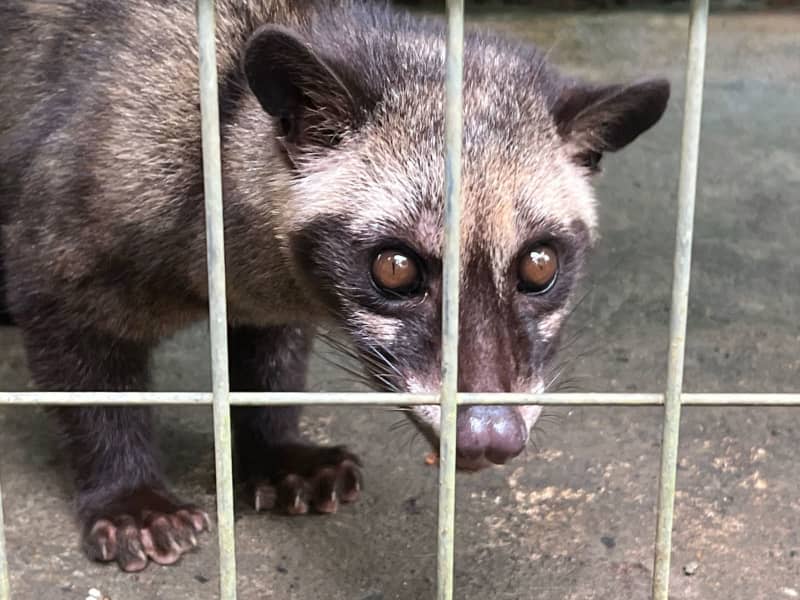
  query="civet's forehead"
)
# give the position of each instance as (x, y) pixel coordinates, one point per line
(517, 180)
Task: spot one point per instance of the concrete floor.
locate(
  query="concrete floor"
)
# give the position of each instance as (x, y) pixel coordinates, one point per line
(575, 518)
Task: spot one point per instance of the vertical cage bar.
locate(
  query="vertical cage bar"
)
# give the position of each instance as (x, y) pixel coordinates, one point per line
(212, 180)
(5, 586)
(690, 143)
(452, 236)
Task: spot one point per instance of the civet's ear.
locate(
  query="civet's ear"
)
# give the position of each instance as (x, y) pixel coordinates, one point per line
(298, 87)
(597, 119)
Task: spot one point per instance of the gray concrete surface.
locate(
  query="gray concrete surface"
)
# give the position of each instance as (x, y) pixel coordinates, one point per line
(573, 518)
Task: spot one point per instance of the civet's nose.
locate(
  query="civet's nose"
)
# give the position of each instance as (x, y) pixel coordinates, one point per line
(489, 434)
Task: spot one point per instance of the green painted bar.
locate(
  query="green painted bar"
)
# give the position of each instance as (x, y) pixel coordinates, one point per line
(687, 188)
(450, 285)
(218, 323)
(5, 586)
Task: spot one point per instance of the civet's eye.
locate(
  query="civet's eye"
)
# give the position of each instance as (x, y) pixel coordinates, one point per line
(538, 269)
(397, 272)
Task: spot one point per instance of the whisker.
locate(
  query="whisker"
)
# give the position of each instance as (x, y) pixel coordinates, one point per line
(370, 358)
(373, 358)
(554, 419)
(573, 338)
(412, 443)
(357, 375)
(408, 441)
(399, 425)
(398, 409)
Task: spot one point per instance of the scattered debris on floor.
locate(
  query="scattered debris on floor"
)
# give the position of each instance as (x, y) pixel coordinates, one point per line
(95, 594)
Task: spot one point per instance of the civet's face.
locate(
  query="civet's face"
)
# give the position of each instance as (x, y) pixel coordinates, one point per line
(368, 150)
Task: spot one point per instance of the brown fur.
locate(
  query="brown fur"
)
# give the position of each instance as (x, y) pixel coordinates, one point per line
(332, 146)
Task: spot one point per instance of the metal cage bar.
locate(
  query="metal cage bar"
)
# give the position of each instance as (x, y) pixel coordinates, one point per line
(5, 591)
(687, 191)
(450, 287)
(218, 321)
(394, 399)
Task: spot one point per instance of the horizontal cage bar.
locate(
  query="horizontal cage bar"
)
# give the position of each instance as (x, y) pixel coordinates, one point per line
(394, 399)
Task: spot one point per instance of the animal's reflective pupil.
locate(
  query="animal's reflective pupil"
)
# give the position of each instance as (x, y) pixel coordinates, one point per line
(395, 272)
(538, 269)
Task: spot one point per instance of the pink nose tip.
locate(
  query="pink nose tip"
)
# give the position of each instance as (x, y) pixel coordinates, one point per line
(490, 433)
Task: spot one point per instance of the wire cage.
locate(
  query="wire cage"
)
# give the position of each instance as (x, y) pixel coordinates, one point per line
(221, 398)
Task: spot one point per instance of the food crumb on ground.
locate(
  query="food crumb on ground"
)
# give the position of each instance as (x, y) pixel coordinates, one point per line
(95, 594)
